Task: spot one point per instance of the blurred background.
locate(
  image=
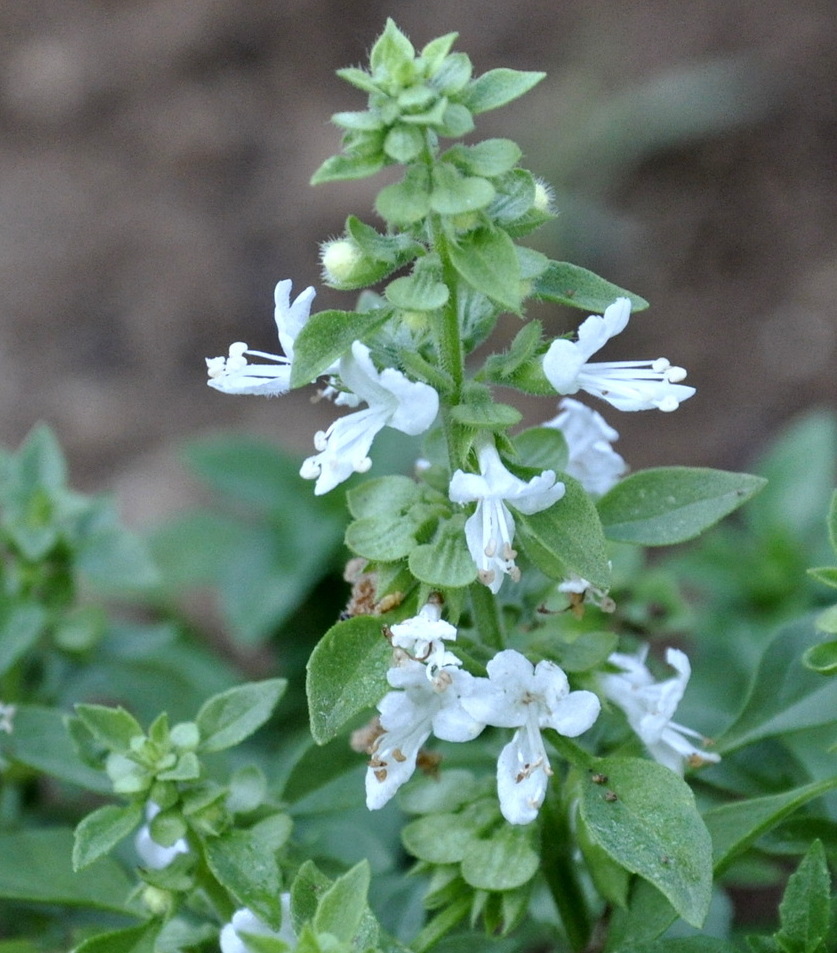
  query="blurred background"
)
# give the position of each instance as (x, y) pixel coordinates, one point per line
(154, 166)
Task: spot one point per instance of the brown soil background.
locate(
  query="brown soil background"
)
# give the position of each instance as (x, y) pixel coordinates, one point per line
(154, 166)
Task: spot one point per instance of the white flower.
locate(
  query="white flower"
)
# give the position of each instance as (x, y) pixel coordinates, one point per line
(244, 921)
(649, 706)
(7, 714)
(592, 460)
(408, 717)
(154, 855)
(518, 695)
(489, 531)
(627, 385)
(394, 401)
(423, 637)
(234, 374)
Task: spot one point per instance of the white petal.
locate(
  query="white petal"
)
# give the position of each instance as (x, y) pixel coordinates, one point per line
(574, 714)
(521, 786)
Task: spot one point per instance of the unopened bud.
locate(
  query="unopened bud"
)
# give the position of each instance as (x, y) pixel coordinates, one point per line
(342, 261)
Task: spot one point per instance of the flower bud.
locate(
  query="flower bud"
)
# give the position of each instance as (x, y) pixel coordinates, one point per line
(544, 198)
(342, 261)
(158, 902)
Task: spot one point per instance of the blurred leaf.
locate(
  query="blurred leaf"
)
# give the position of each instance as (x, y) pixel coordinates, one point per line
(822, 658)
(41, 742)
(688, 944)
(346, 674)
(227, 719)
(35, 868)
(785, 695)
(133, 940)
(653, 829)
(21, 625)
(192, 549)
(801, 470)
(736, 826)
(669, 505)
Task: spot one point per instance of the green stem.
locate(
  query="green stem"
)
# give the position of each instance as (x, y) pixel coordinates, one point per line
(486, 616)
(559, 871)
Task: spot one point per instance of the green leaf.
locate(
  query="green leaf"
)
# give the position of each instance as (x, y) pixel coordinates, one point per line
(102, 830)
(383, 496)
(21, 625)
(445, 563)
(247, 867)
(805, 910)
(579, 288)
(341, 168)
(394, 249)
(822, 658)
(116, 560)
(417, 292)
(346, 674)
(381, 539)
(785, 695)
(504, 861)
(358, 78)
(113, 727)
(498, 87)
(452, 74)
(652, 828)
(436, 50)
(392, 50)
(686, 944)
(542, 448)
(35, 868)
(455, 194)
(228, 718)
(489, 157)
(825, 574)
(438, 838)
(669, 505)
(403, 143)
(407, 201)
(796, 496)
(140, 939)
(326, 337)
(736, 826)
(248, 788)
(341, 907)
(41, 742)
(567, 537)
(487, 260)
(831, 521)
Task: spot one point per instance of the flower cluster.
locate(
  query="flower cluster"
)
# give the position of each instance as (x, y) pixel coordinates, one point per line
(433, 695)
